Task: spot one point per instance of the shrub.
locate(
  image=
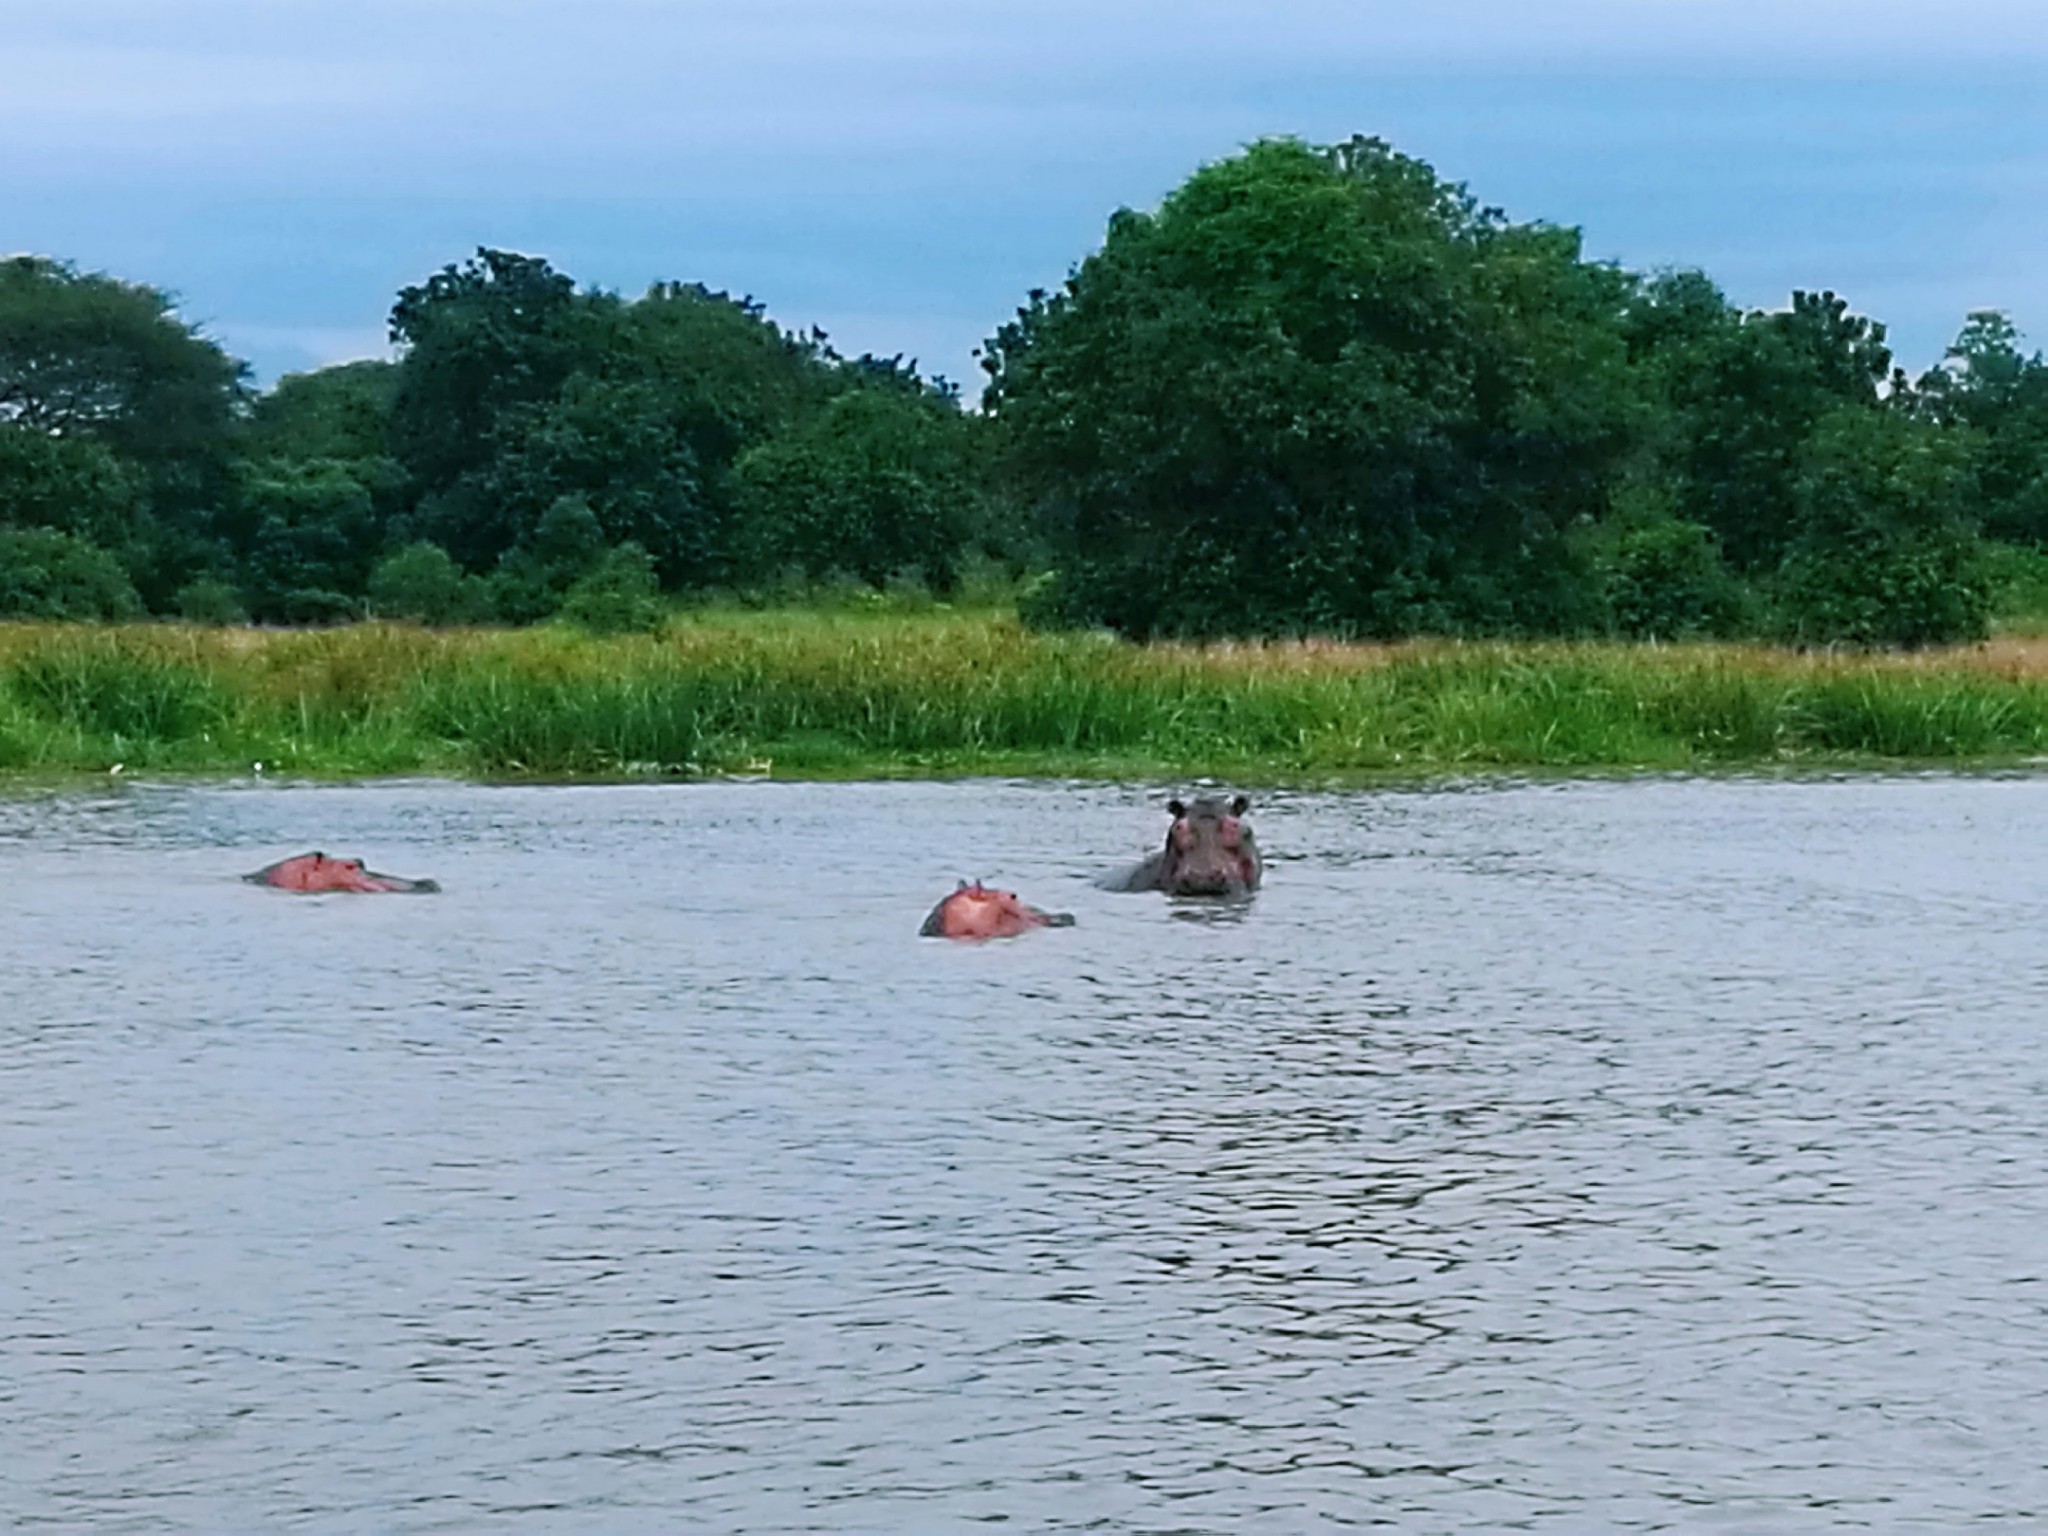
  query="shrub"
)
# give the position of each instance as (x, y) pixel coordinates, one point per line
(618, 596)
(422, 582)
(210, 600)
(317, 605)
(1883, 550)
(45, 574)
(1665, 580)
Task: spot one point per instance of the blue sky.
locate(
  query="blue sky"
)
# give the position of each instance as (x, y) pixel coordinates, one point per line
(902, 172)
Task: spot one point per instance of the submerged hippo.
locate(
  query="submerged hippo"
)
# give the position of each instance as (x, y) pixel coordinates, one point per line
(317, 872)
(1209, 852)
(976, 912)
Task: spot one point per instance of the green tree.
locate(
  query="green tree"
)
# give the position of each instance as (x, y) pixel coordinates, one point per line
(515, 391)
(620, 449)
(880, 482)
(1989, 385)
(531, 579)
(210, 600)
(69, 482)
(1665, 580)
(83, 355)
(47, 574)
(1743, 395)
(495, 336)
(618, 595)
(314, 535)
(83, 352)
(420, 582)
(342, 413)
(1885, 551)
(729, 374)
(1319, 389)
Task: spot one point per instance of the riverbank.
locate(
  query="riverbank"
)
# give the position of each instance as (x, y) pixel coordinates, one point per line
(825, 695)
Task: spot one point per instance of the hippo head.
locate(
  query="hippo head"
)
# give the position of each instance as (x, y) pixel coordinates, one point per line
(316, 872)
(1209, 849)
(978, 912)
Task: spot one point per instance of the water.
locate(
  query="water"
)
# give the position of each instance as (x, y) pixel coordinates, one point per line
(1637, 1156)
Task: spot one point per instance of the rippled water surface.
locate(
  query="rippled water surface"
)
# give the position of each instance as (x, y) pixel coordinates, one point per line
(1636, 1156)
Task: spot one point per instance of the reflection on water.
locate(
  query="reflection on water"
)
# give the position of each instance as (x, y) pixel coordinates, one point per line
(1646, 1156)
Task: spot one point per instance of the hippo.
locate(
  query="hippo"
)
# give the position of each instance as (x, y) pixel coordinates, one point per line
(976, 912)
(1209, 851)
(317, 872)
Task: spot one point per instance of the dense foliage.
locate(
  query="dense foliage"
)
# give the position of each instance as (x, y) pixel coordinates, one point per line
(1318, 390)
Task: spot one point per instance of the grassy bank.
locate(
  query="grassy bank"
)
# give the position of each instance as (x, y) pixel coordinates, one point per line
(825, 695)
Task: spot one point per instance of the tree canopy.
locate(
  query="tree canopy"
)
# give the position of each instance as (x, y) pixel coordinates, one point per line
(1318, 389)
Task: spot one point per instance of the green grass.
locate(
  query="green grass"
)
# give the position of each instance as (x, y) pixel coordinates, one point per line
(846, 694)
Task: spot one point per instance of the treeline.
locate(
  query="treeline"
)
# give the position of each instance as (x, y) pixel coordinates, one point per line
(537, 449)
(1319, 390)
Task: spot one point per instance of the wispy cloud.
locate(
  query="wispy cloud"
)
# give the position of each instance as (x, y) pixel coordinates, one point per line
(922, 162)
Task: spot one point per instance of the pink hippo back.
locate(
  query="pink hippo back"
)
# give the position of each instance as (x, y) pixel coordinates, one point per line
(977, 912)
(314, 872)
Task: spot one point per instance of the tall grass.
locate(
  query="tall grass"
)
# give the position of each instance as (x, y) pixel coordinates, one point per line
(825, 694)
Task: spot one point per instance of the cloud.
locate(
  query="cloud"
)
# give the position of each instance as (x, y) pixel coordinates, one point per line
(300, 348)
(292, 162)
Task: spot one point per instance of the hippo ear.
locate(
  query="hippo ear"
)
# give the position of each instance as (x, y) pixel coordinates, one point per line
(1175, 809)
(1240, 805)
(962, 886)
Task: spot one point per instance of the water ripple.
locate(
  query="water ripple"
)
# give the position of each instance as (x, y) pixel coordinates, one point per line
(1645, 1156)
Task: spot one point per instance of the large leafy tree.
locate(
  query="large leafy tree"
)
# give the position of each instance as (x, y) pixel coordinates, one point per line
(318, 496)
(489, 339)
(342, 413)
(880, 483)
(81, 352)
(518, 394)
(87, 358)
(49, 574)
(1319, 388)
(1884, 549)
(1743, 393)
(1988, 384)
(618, 448)
(70, 483)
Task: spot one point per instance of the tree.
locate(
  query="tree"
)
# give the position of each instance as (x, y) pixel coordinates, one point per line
(1318, 389)
(1989, 385)
(314, 537)
(531, 579)
(1884, 551)
(616, 446)
(1665, 580)
(420, 582)
(879, 483)
(86, 356)
(343, 412)
(496, 335)
(515, 391)
(46, 574)
(619, 595)
(70, 482)
(1743, 396)
(86, 353)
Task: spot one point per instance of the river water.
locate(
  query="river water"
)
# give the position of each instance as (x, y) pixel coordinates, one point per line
(1658, 1155)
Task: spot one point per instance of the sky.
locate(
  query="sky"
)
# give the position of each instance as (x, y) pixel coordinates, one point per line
(902, 173)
